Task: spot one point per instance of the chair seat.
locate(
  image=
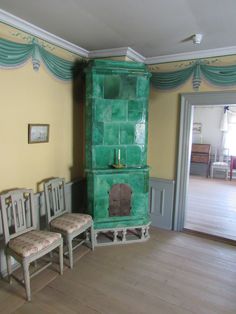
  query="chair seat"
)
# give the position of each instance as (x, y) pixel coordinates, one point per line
(220, 164)
(33, 242)
(68, 223)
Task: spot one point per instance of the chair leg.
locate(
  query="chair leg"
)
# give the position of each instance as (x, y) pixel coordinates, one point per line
(70, 251)
(27, 280)
(211, 172)
(92, 237)
(61, 258)
(9, 268)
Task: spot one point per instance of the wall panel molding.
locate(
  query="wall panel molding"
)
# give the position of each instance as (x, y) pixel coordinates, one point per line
(161, 202)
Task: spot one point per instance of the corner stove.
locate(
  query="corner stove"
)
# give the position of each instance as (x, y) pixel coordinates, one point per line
(116, 150)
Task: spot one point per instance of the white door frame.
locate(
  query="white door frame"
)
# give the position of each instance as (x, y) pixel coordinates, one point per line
(188, 101)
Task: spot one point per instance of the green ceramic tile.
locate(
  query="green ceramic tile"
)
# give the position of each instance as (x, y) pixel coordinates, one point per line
(137, 182)
(98, 133)
(140, 203)
(136, 116)
(142, 87)
(102, 186)
(111, 134)
(98, 85)
(140, 133)
(126, 133)
(136, 105)
(103, 156)
(103, 110)
(101, 207)
(133, 157)
(112, 86)
(128, 86)
(119, 110)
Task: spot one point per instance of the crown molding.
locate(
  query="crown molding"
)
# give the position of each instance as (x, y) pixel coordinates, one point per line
(128, 52)
(134, 55)
(25, 26)
(106, 53)
(117, 52)
(218, 52)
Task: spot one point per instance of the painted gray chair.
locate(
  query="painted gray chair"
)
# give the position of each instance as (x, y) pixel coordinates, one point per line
(70, 225)
(23, 241)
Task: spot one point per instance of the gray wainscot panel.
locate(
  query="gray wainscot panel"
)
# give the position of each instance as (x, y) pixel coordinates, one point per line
(161, 200)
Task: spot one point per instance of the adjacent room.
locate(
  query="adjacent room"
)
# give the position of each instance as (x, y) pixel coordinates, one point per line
(117, 133)
(211, 207)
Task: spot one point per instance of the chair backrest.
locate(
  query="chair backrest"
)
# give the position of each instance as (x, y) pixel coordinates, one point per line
(54, 191)
(222, 155)
(17, 208)
(233, 163)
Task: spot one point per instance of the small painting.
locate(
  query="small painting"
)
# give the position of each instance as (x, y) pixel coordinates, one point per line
(38, 133)
(197, 128)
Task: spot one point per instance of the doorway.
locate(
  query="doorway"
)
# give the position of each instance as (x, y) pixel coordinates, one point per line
(188, 101)
(211, 202)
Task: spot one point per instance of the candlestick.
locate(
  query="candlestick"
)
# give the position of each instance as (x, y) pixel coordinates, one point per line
(118, 156)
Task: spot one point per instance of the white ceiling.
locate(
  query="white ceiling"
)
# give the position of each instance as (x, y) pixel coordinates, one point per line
(150, 27)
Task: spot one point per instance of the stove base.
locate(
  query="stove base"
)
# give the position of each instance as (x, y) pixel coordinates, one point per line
(124, 235)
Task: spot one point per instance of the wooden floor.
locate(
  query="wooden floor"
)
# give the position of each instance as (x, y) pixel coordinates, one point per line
(211, 207)
(171, 273)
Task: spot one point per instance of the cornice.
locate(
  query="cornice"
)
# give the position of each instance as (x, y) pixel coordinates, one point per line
(134, 55)
(218, 52)
(117, 52)
(25, 26)
(106, 53)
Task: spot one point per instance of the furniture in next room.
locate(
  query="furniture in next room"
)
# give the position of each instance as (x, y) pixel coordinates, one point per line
(221, 163)
(23, 242)
(200, 159)
(232, 166)
(70, 225)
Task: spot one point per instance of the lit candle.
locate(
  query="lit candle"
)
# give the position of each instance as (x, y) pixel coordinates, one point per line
(118, 156)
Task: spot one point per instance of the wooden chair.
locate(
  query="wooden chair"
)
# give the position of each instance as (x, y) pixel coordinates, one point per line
(232, 166)
(23, 242)
(70, 225)
(221, 162)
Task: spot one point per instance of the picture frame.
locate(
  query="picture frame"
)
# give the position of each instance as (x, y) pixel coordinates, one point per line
(38, 133)
(197, 128)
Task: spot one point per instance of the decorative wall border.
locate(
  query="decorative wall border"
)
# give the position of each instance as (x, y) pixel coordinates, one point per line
(62, 69)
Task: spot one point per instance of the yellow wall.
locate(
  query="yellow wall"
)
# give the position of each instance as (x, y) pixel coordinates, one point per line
(30, 97)
(164, 109)
(37, 97)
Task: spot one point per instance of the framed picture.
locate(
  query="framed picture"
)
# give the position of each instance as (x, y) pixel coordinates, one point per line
(197, 128)
(38, 133)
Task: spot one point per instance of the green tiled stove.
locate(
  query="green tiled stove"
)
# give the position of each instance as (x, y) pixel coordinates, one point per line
(116, 150)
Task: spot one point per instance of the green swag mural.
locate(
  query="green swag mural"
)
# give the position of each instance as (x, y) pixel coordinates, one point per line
(13, 54)
(217, 75)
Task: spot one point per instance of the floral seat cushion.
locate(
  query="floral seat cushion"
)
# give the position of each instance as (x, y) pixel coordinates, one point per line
(68, 223)
(33, 242)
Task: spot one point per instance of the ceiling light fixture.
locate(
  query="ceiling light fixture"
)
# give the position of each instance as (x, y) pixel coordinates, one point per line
(197, 38)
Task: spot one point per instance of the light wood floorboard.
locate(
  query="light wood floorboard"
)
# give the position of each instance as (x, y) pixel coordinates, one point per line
(211, 207)
(171, 273)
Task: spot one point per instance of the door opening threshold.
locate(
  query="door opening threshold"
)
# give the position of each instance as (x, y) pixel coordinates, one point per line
(209, 236)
